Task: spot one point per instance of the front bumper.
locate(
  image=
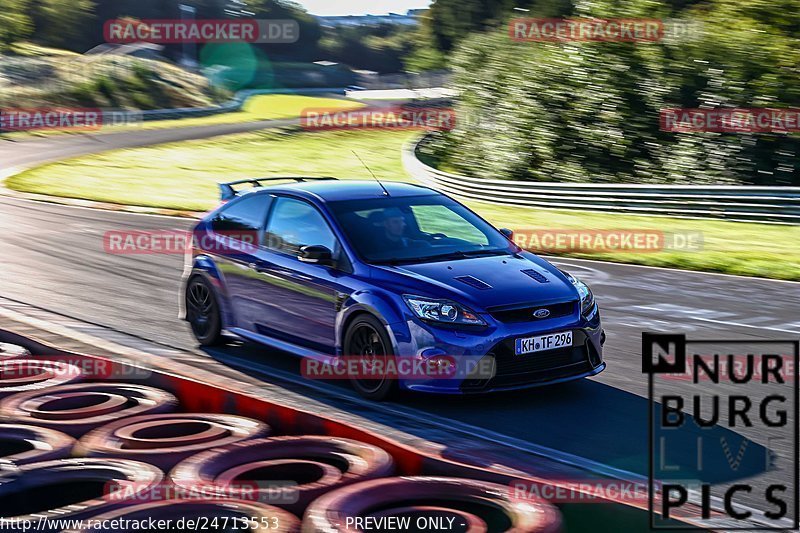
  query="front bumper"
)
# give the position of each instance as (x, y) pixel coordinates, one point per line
(493, 346)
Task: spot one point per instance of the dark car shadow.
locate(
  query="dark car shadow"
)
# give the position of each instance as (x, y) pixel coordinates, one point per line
(586, 418)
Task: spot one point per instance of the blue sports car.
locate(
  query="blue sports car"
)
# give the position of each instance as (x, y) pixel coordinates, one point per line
(393, 272)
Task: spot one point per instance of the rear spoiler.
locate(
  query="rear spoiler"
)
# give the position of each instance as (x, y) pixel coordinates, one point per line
(227, 192)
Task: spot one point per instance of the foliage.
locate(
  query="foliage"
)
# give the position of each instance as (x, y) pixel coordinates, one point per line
(579, 111)
(61, 23)
(372, 47)
(38, 78)
(15, 24)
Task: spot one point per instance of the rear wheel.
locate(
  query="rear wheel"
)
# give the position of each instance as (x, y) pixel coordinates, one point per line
(366, 339)
(202, 312)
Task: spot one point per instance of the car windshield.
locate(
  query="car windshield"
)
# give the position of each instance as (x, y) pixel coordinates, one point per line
(417, 229)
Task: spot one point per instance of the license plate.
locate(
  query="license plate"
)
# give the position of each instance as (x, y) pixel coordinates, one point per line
(542, 343)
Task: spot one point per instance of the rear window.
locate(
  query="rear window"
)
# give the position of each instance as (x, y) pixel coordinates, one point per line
(247, 214)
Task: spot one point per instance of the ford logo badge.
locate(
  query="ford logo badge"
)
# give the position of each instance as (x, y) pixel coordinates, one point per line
(541, 313)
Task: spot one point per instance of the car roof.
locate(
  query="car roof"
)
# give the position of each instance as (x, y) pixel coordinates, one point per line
(339, 190)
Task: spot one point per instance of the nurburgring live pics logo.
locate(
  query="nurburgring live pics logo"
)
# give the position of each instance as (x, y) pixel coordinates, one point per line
(722, 440)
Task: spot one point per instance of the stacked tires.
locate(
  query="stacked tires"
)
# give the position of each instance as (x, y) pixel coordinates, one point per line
(122, 453)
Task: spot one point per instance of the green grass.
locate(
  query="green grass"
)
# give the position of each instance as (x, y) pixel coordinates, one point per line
(184, 176)
(747, 249)
(258, 107)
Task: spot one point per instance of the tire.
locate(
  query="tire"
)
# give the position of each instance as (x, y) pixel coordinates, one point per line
(12, 350)
(80, 407)
(22, 375)
(23, 444)
(72, 489)
(202, 312)
(166, 440)
(479, 505)
(313, 464)
(366, 337)
(263, 517)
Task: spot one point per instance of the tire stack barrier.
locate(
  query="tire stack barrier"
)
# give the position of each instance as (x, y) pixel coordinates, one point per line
(68, 488)
(78, 408)
(8, 350)
(135, 434)
(20, 375)
(21, 444)
(312, 466)
(165, 440)
(479, 505)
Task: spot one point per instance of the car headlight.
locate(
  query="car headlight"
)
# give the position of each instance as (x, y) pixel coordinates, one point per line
(442, 311)
(585, 293)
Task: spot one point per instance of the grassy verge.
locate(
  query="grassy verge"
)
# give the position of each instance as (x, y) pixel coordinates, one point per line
(184, 176)
(258, 107)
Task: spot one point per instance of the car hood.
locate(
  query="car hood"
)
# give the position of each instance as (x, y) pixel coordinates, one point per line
(484, 282)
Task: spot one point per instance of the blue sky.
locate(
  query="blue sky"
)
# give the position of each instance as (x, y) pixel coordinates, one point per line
(361, 7)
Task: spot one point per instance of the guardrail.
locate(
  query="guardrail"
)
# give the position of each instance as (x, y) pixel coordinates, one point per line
(235, 104)
(780, 205)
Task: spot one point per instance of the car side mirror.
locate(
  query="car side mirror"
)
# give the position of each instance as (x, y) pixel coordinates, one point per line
(316, 254)
(508, 233)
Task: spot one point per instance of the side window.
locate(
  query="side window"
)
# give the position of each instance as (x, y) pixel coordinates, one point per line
(441, 219)
(294, 224)
(244, 218)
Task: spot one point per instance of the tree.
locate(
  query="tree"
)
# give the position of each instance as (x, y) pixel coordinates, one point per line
(15, 24)
(580, 111)
(450, 21)
(62, 23)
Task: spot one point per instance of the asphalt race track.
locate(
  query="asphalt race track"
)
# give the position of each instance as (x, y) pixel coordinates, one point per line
(52, 257)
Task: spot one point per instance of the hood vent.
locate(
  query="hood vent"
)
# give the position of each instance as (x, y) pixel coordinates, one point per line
(538, 276)
(474, 282)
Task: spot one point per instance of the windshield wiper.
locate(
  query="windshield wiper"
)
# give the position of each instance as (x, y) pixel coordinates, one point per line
(461, 255)
(441, 257)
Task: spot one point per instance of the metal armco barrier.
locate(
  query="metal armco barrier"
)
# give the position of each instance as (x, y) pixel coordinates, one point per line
(234, 104)
(741, 203)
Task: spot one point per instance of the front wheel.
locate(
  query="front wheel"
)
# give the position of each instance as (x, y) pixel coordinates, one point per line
(367, 340)
(202, 312)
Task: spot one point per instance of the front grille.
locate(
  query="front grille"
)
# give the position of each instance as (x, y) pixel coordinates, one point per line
(513, 370)
(525, 314)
